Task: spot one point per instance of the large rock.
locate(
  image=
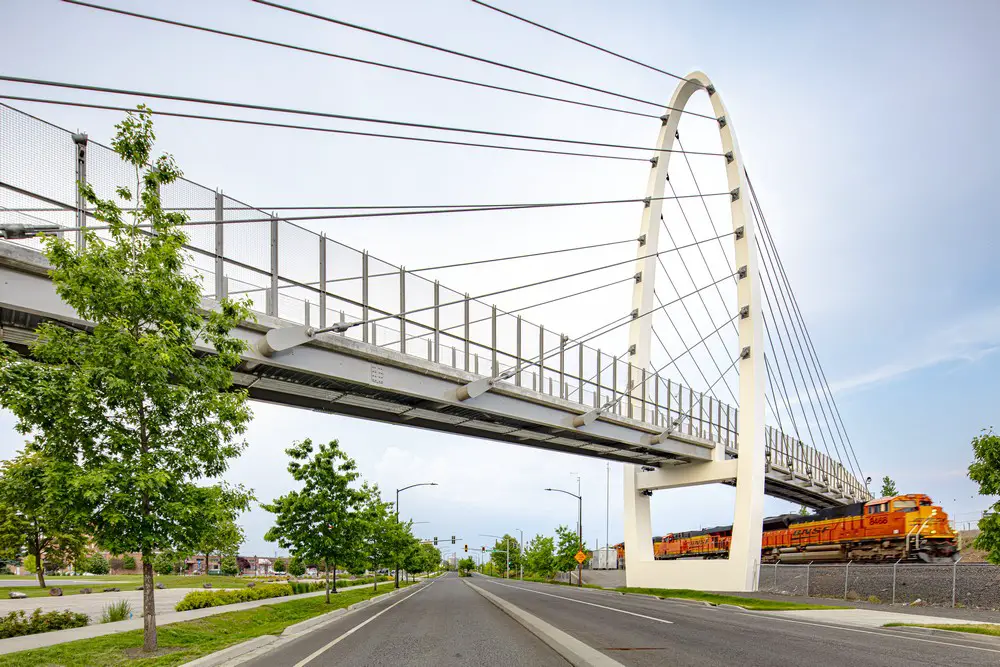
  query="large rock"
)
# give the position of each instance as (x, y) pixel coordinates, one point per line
(17, 595)
(85, 591)
(206, 585)
(160, 586)
(112, 590)
(55, 592)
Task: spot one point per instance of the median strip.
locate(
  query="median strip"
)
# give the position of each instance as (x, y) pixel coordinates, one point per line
(572, 649)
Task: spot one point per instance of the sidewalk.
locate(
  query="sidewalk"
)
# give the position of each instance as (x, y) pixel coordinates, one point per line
(865, 618)
(941, 614)
(27, 642)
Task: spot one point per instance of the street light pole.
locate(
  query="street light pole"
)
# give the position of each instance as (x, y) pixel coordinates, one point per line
(397, 519)
(521, 559)
(579, 536)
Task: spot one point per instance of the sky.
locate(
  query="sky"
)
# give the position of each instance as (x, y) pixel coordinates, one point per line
(873, 180)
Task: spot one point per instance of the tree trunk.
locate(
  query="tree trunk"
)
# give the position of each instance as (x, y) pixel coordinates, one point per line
(326, 565)
(148, 604)
(40, 571)
(375, 580)
(334, 576)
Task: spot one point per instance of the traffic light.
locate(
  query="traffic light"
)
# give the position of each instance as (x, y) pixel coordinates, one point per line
(435, 541)
(452, 539)
(483, 549)
(466, 548)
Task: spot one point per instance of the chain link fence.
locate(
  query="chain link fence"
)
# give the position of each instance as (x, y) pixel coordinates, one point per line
(973, 585)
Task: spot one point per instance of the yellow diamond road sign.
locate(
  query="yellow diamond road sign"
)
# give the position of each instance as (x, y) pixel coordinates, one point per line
(580, 557)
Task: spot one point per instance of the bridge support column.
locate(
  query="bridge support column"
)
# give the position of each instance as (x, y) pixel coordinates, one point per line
(739, 571)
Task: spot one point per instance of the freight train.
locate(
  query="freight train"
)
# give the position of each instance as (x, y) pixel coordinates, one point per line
(908, 527)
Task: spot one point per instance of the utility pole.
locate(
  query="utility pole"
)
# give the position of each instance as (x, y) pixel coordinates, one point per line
(579, 524)
(397, 518)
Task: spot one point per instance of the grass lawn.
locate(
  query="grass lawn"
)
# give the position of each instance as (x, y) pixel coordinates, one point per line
(126, 582)
(984, 629)
(183, 642)
(715, 598)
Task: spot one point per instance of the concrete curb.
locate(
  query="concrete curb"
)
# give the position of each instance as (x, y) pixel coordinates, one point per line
(696, 603)
(227, 654)
(574, 651)
(732, 606)
(953, 634)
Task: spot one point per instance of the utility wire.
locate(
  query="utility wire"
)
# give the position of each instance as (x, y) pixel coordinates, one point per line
(798, 313)
(362, 61)
(326, 114)
(468, 56)
(313, 128)
(586, 43)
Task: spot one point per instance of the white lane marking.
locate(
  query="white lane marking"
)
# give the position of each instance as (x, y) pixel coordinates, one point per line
(905, 637)
(315, 654)
(589, 604)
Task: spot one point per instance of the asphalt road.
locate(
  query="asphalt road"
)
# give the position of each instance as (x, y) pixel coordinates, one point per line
(447, 623)
(440, 623)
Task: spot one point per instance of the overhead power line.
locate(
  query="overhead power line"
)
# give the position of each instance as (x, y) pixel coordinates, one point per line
(311, 128)
(335, 116)
(361, 61)
(460, 54)
(585, 42)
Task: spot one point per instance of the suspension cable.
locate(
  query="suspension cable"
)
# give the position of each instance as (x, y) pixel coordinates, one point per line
(328, 130)
(781, 379)
(586, 43)
(468, 56)
(680, 418)
(680, 371)
(362, 61)
(683, 342)
(331, 115)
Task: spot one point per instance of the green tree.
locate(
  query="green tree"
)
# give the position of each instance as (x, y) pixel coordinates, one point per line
(229, 567)
(888, 487)
(322, 520)
(567, 546)
(985, 471)
(507, 545)
(30, 563)
(280, 566)
(145, 414)
(163, 563)
(128, 563)
(539, 556)
(803, 510)
(39, 511)
(296, 568)
(466, 565)
(384, 536)
(223, 535)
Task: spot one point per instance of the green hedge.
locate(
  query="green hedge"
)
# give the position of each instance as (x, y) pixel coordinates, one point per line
(202, 599)
(17, 623)
(299, 587)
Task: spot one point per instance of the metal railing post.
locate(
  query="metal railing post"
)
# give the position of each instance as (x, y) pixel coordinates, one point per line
(614, 383)
(496, 363)
(669, 392)
(466, 331)
(272, 300)
(628, 388)
(220, 248)
(562, 365)
(80, 140)
(579, 368)
(642, 417)
(597, 387)
(402, 310)
(364, 294)
(517, 354)
(541, 358)
(437, 321)
(322, 281)
(656, 399)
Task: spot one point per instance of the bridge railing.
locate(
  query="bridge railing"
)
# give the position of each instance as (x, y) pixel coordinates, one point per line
(301, 276)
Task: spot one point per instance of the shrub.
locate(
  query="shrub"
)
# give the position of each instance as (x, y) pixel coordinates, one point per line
(163, 563)
(279, 565)
(229, 567)
(116, 564)
(95, 564)
(202, 599)
(17, 623)
(30, 563)
(128, 562)
(117, 611)
(295, 567)
(299, 587)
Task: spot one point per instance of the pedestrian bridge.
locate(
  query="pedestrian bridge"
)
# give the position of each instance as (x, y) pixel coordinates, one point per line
(339, 330)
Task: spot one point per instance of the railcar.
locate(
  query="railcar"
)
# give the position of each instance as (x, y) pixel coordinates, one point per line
(905, 527)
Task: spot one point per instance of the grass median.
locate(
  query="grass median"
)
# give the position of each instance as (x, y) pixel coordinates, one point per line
(182, 642)
(990, 629)
(755, 604)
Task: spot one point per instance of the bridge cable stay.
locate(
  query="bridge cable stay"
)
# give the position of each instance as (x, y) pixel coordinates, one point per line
(521, 309)
(773, 294)
(338, 116)
(585, 42)
(325, 130)
(675, 424)
(361, 61)
(680, 371)
(782, 392)
(468, 56)
(797, 311)
(798, 324)
(479, 387)
(593, 414)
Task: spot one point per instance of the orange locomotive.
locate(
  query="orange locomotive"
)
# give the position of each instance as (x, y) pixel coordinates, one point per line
(905, 527)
